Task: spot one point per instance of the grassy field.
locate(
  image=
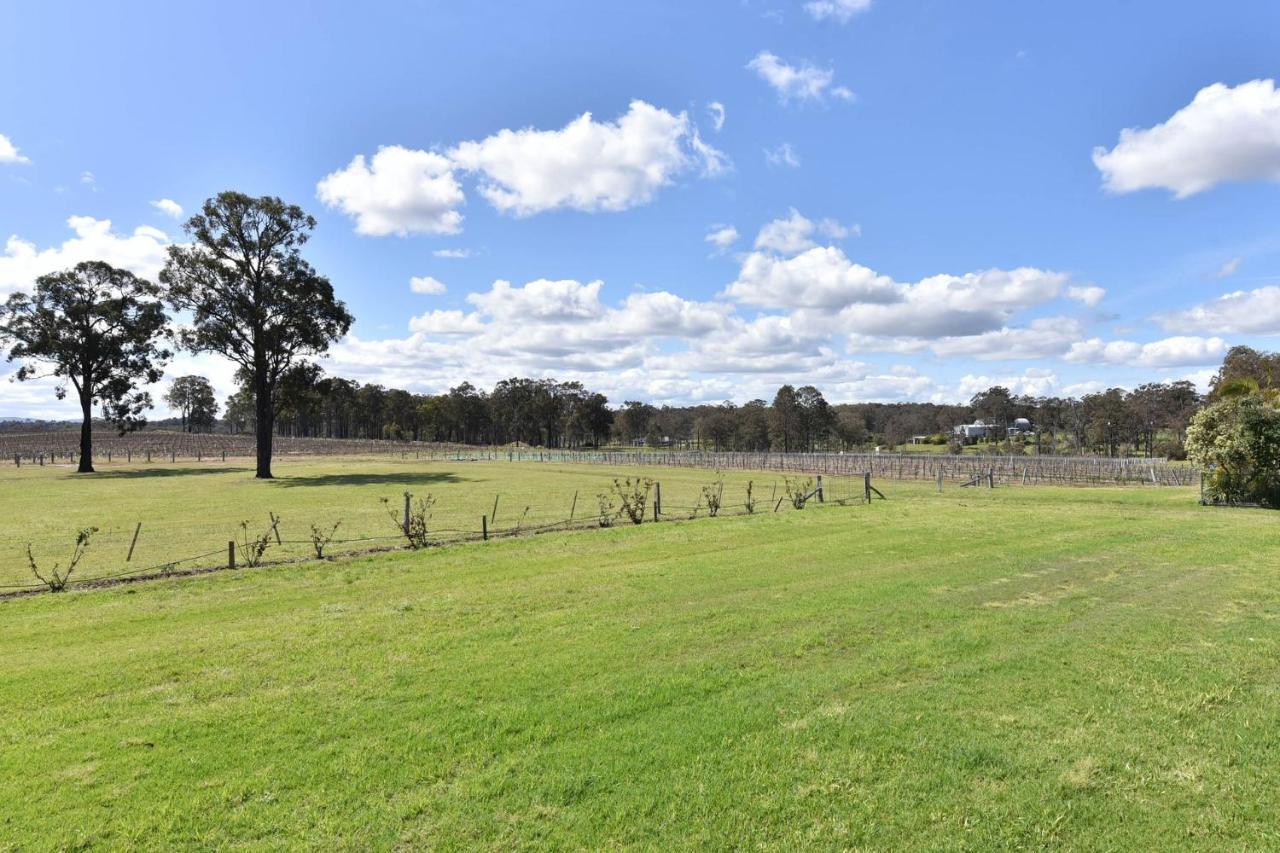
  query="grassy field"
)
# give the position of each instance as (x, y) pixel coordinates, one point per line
(1018, 668)
(190, 508)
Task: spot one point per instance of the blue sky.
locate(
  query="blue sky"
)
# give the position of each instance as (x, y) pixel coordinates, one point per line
(928, 197)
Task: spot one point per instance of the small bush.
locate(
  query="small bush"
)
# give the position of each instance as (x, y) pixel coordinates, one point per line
(633, 497)
(798, 490)
(57, 578)
(608, 511)
(252, 550)
(713, 494)
(415, 533)
(320, 537)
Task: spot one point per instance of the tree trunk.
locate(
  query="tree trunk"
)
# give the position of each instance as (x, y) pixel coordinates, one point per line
(86, 435)
(265, 426)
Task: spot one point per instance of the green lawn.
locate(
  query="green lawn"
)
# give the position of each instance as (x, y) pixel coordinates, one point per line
(1018, 668)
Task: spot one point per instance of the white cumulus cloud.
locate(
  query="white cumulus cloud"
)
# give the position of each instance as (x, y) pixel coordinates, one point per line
(1239, 312)
(722, 236)
(803, 82)
(1180, 351)
(1225, 134)
(427, 285)
(142, 252)
(588, 165)
(9, 152)
(795, 233)
(168, 207)
(1089, 294)
(397, 191)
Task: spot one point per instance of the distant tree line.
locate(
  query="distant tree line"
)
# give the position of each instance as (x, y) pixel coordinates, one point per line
(1149, 420)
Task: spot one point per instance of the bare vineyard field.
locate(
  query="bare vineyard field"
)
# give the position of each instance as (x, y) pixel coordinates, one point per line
(153, 447)
(1006, 470)
(162, 446)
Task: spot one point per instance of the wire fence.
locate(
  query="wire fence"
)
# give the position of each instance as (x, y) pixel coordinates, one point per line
(176, 547)
(1005, 470)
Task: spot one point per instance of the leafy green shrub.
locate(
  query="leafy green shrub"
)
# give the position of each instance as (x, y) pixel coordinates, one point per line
(1237, 442)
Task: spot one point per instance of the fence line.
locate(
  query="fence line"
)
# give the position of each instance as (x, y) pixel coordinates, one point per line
(835, 491)
(1020, 470)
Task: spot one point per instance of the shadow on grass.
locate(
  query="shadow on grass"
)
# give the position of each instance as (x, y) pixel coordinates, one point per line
(394, 478)
(141, 473)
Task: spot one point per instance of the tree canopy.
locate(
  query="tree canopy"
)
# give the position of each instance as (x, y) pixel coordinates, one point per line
(99, 329)
(194, 399)
(252, 296)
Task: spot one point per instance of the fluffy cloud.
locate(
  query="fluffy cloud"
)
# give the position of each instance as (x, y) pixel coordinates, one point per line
(1035, 382)
(1240, 312)
(820, 277)
(1225, 134)
(397, 191)
(142, 252)
(1089, 295)
(9, 152)
(1046, 337)
(427, 285)
(1183, 351)
(795, 234)
(841, 296)
(837, 10)
(168, 207)
(722, 236)
(452, 253)
(587, 165)
(802, 82)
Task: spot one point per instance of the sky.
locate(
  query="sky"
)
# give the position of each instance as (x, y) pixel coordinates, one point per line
(683, 202)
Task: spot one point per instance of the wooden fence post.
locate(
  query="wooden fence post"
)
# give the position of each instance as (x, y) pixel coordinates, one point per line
(991, 478)
(821, 498)
(231, 554)
(136, 530)
(574, 507)
(866, 486)
(407, 497)
(939, 481)
(657, 500)
(484, 527)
